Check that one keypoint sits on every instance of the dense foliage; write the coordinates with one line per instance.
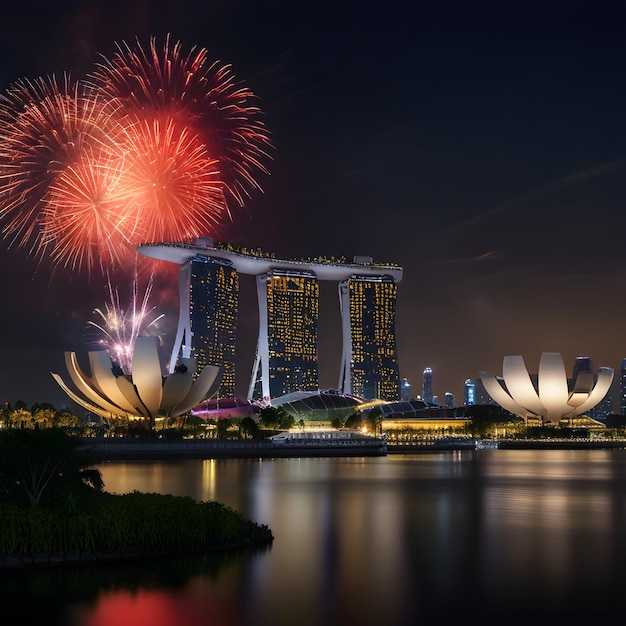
(135, 522)
(52, 499)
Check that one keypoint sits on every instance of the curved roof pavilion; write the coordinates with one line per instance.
(255, 265)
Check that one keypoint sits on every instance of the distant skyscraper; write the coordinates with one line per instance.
(581, 364)
(469, 392)
(209, 287)
(369, 363)
(405, 391)
(286, 359)
(622, 387)
(448, 400)
(427, 385)
(475, 393)
(603, 409)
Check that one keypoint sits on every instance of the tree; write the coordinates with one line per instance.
(45, 466)
(273, 417)
(21, 418)
(373, 420)
(221, 430)
(354, 421)
(44, 417)
(248, 428)
(487, 417)
(336, 423)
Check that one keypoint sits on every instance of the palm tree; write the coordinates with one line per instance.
(46, 466)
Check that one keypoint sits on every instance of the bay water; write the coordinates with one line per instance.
(450, 537)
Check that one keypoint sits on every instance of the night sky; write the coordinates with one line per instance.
(478, 144)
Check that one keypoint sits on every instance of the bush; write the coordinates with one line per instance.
(136, 522)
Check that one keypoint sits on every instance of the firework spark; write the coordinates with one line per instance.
(119, 327)
(44, 129)
(204, 98)
(152, 147)
(173, 184)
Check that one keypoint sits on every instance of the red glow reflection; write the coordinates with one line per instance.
(157, 608)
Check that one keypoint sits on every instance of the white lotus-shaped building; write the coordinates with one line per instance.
(552, 399)
(143, 394)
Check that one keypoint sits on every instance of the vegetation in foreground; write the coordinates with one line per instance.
(52, 500)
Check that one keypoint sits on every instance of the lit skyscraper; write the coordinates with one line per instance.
(288, 296)
(475, 393)
(581, 364)
(469, 392)
(622, 387)
(369, 362)
(427, 385)
(286, 358)
(209, 288)
(405, 391)
(448, 400)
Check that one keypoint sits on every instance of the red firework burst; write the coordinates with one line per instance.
(43, 130)
(205, 98)
(148, 149)
(174, 186)
(86, 221)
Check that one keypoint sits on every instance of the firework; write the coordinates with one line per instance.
(201, 96)
(152, 147)
(119, 328)
(44, 129)
(173, 184)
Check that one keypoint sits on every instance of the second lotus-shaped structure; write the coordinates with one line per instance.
(143, 394)
(554, 397)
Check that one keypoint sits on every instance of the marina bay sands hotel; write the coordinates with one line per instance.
(286, 358)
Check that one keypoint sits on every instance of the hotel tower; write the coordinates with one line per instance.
(286, 358)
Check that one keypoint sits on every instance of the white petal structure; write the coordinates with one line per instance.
(552, 399)
(145, 393)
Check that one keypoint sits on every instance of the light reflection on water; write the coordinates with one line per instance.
(404, 539)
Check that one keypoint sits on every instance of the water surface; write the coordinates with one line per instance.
(502, 536)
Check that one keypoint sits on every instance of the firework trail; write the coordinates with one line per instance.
(119, 328)
(153, 146)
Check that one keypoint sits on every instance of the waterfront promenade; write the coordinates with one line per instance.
(119, 448)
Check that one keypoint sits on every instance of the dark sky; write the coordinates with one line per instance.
(478, 144)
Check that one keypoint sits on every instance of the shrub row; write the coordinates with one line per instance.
(141, 522)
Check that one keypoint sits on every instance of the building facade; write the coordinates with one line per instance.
(405, 390)
(622, 387)
(369, 363)
(474, 392)
(286, 356)
(208, 290)
(288, 298)
(427, 385)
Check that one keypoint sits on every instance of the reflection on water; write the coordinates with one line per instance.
(505, 535)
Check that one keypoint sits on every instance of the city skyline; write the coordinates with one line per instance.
(478, 145)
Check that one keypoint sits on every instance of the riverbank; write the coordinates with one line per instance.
(121, 449)
(118, 448)
(508, 444)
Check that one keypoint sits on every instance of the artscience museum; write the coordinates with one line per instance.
(549, 397)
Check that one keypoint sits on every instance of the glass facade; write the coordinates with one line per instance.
(622, 387)
(370, 362)
(213, 300)
(427, 386)
(289, 302)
